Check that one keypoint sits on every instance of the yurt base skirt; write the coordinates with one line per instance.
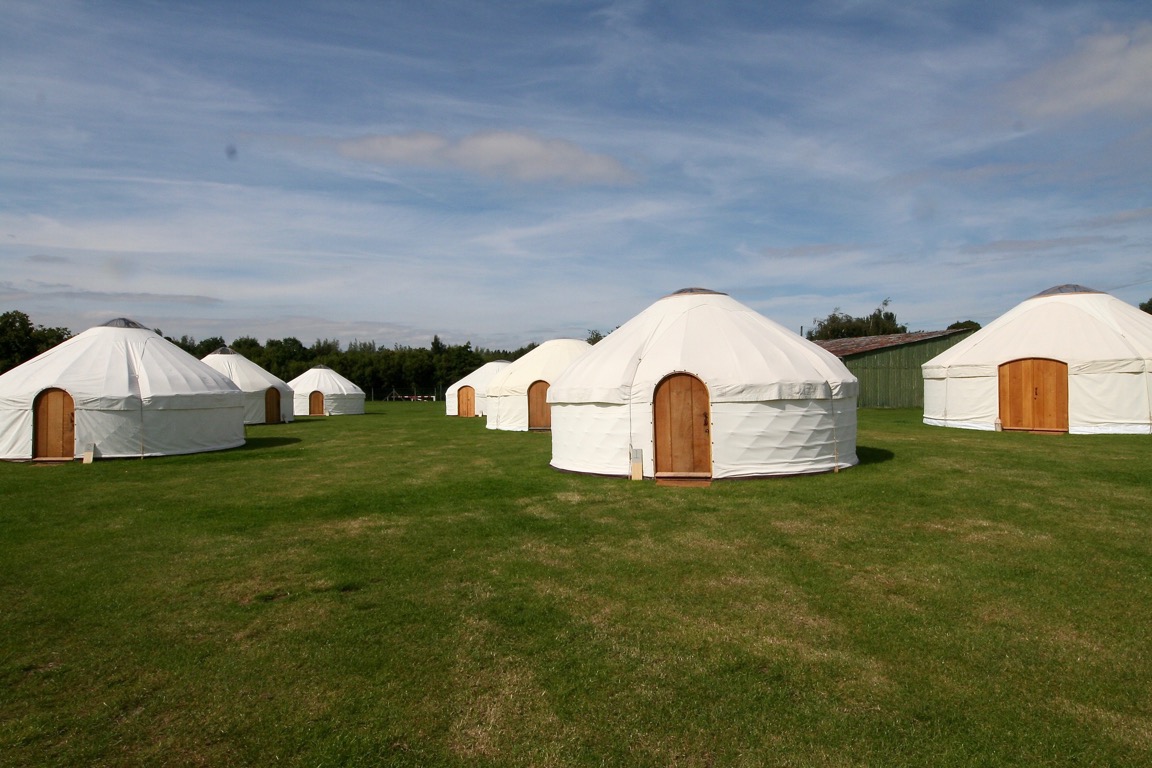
(135, 433)
(748, 439)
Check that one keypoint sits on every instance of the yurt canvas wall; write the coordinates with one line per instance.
(121, 389)
(320, 391)
(700, 385)
(518, 395)
(267, 398)
(1069, 359)
(472, 390)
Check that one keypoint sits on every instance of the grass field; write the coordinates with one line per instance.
(403, 588)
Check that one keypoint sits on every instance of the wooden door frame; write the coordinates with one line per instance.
(460, 392)
(698, 439)
(272, 392)
(1034, 414)
(66, 428)
(547, 409)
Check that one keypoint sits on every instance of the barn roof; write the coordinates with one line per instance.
(846, 347)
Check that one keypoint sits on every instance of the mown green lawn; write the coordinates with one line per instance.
(403, 588)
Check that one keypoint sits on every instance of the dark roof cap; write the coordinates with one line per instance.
(689, 291)
(1066, 288)
(123, 322)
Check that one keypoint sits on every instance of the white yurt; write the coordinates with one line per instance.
(320, 391)
(267, 398)
(1069, 359)
(518, 394)
(468, 397)
(118, 390)
(699, 385)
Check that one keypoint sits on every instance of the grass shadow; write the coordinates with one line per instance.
(260, 443)
(873, 455)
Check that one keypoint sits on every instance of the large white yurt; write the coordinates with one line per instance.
(267, 398)
(469, 396)
(118, 390)
(699, 385)
(1069, 359)
(320, 391)
(518, 394)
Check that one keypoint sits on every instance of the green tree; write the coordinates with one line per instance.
(1147, 306)
(248, 346)
(839, 325)
(206, 347)
(964, 325)
(594, 336)
(21, 340)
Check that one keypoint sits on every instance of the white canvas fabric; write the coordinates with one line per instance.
(1106, 343)
(253, 381)
(779, 404)
(507, 398)
(341, 396)
(135, 394)
(478, 380)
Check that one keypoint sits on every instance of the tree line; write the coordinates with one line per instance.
(398, 371)
(881, 322)
(382, 372)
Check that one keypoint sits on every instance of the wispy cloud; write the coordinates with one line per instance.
(497, 154)
(1109, 71)
(497, 172)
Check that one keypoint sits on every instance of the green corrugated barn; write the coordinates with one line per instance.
(888, 367)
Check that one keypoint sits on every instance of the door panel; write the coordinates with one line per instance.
(272, 406)
(54, 425)
(539, 412)
(316, 403)
(466, 401)
(1034, 395)
(682, 427)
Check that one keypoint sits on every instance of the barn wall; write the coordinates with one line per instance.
(891, 377)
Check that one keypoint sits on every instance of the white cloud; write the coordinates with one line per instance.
(498, 154)
(1110, 71)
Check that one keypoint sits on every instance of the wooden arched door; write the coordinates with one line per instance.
(271, 406)
(1034, 395)
(539, 412)
(316, 403)
(466, 401)
(53, 425)
(682, 427)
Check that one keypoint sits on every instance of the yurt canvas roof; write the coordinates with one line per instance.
(742, 355)
(134, 393)
(324, 379)
(246, 374)
(1087, 329)
(545, 362)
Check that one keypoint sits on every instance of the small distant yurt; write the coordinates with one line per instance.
(118, 390)
(320, 391)
(518, 394)
(700, 386)
(469, 396)
(267, 398)
(1069, 359)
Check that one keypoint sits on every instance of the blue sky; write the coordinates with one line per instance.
(506, 172)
